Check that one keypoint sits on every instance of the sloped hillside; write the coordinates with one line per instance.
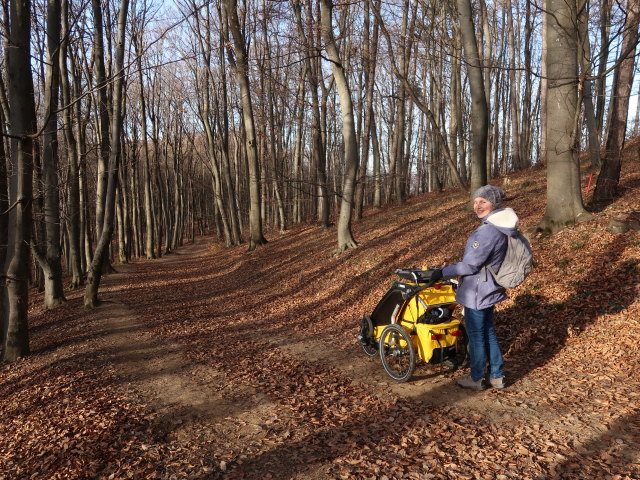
(218, 363)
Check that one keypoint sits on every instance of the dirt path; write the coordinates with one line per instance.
(184, 391)
(193, 403)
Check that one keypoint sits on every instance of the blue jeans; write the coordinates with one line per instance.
(483, 343)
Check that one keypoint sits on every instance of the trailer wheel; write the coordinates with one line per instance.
(368, 342)
(397, 353)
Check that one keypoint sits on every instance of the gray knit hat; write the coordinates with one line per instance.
(490, 193)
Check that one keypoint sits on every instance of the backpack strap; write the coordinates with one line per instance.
(489, 267)
(484, 270)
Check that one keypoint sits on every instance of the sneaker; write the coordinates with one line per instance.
(468, 382)
(497, 382)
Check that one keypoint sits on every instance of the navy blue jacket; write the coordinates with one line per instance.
(487, 245)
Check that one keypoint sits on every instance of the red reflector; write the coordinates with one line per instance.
(456, 333)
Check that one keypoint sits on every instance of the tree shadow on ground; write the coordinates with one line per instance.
(536, 328)
(597, 457)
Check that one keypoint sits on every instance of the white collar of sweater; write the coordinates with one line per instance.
(504, 218)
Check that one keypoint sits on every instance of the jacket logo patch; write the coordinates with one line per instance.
(475, 244)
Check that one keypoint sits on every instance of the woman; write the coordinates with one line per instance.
(478, 292)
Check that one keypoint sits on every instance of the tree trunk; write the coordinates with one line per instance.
(479, 113)
(241, 69)
(73, 197)
(223, 127)
(544, 89)
(103, 112)
(345, 237)
(146, 169)
(397, 143)
(49, 257)
(136, 227)
(296, 214)
(514, 101)
(564, 200)
(603, 60)
(22, 120)
(318, 150)
(102, 248)
(166, 201)
(607, 184)
(207, 119)
(273, 151)
(455, 102)
(486, 53)
(4, 204)
(377, 177)
(584, 52)
(120, 221)
(370, 61)
(527, 123)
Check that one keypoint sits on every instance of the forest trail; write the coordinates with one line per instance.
(177, 387)
(217, 363)
(194, 401)
(188, 400)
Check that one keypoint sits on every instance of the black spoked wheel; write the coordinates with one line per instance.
(367, 340)
(461, 358)
(397, 353)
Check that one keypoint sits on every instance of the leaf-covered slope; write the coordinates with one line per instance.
(273, 333)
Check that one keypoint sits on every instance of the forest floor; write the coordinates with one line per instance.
(218, 363)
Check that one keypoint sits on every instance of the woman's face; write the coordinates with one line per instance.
(482, 207)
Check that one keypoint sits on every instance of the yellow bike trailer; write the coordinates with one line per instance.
(415, 319)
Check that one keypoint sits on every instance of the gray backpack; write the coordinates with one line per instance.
(517, 264)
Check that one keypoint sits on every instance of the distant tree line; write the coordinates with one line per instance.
(131, 126)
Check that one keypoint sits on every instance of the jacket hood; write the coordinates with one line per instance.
(504, 219)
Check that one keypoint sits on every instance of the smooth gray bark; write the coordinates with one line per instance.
(102, 248)
(241, 69)
(345, 236)
(73, 193)
(479, 112)
(149, 246)
(564, 199)
(22, 121)
(49, 255)
(584, 52)
(370, 60)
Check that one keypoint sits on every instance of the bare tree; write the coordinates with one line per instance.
(417, 97)
(479, 113)
(369, 60)
(102, 105)
(241, 69)
(586, 90)
(204, 79)
(607, 184)
(22, 120)
(603, 59)
(73, 197)
(4, 199)
(514, 101)
(49, 255)
(137, 37)
(345, 237)
(318, 106)
(564, 200)
(102, 248)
